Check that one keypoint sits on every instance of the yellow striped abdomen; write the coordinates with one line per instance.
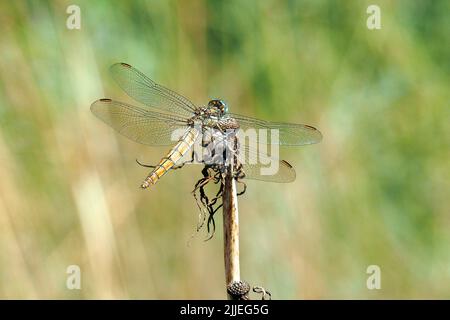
(175, 154)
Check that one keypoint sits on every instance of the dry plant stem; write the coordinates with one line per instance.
(231, 230)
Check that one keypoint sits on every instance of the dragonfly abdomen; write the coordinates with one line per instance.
(173, 156)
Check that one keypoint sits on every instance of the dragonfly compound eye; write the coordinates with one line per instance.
(224, 106)
(219, 105)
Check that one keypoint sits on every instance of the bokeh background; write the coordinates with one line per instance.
(374, 191)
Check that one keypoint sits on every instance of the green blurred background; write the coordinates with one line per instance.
(374, 191)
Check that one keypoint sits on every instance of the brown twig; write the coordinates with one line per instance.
(230, 230)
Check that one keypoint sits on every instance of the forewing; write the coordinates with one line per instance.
(143, 89)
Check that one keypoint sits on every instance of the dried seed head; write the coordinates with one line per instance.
(238, 289)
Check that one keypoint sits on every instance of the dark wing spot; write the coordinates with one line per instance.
(125, 64)
(105, 100)
(286, 163)
(310, 127)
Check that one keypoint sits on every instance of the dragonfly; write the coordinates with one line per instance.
(164, 112)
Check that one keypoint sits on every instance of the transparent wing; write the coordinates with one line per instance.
(143, 89)
(139, 124)
(290, 134)
(260, 166)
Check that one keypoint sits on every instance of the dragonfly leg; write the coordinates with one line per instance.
(175, 167)
(194, 157)
(145, 165)
(154, 166)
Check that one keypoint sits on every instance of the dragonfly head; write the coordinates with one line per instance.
(218, 106)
